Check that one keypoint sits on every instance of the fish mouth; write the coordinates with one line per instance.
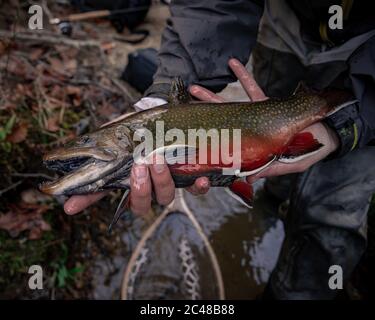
(80, 167)
(67, 165)
(68, 160)
(66, 156)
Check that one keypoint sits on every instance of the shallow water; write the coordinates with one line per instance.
(245, 241)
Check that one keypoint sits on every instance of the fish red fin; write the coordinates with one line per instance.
(303, 145)
(243, 192)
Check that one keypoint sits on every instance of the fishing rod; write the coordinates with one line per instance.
(66, 28)
(94, 15)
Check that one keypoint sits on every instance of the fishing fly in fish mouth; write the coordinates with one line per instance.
(269, 131)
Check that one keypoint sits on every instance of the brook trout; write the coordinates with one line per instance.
(270, 131)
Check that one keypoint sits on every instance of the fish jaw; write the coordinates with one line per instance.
(83, 165)
(87, 169)
(96, 153)
(91, 174)
(91, 162)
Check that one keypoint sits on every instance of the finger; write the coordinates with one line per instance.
(76, 204)
(140, 185)
(200, 186)
(204, 94)
(252, 89)
(162, 182)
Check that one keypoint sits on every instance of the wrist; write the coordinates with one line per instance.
(346, 125)
(333, 138)
(148, 103)
(159, 89)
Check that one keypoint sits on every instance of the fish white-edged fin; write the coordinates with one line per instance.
(295, 158)
(242, 192)
(176, 153)
(241, 174)
(302, 146)
(238, 198)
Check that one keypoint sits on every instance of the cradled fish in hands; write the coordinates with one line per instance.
(270, 131)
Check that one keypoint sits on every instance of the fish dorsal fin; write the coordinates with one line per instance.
(301, 88)
(175, 154)
(178, 93)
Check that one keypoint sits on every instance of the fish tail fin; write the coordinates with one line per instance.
(302, 88)
(242, 192)
(303, 145)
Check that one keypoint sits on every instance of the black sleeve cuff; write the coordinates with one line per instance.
(347, 126)
(159, 90)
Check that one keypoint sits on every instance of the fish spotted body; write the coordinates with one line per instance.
(270, 131)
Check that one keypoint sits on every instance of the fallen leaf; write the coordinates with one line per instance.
(2, 48)
(71, 66)
(77, 102)
(66, 52)
(37, 231)
(75, 93)
(25, 217)
(36, 54)
(107, 46)
(57, 65)
(18, 134)
(106, 110)
(24, 90)
(34, 196)
(52, 124)
(73, 90)
(105, 82)
(21, 69)
(57, 92)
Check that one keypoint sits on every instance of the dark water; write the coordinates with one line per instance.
(245, 242)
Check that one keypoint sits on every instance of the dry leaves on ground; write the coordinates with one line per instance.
(24, 217)
(18, 134)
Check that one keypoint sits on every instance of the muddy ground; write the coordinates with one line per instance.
(51, 92)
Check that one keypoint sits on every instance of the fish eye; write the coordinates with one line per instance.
(84, 139)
